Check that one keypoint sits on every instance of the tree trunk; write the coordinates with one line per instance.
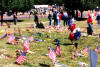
(81, 14)
(16, 13)
(1, 19)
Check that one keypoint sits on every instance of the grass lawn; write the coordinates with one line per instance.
(39, 58)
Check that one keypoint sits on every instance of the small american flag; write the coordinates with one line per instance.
(73, 55)
(31, 38)
(11, 38)
(85, 50)
(60, 29)
(52, 55)
(26, 45)
(21, 58)
(97, 49)
(58, 50)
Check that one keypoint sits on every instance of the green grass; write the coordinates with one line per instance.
(40, 48)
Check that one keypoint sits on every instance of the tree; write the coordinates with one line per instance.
(15, 6)
(42, 2)
(58, 2)
(48, 2)
(20, 5)
(3, 8)
(81, 4)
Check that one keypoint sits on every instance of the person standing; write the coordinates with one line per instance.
(36, 20)
(57, 17)
(70, 21)
(54, 17)
(98, 20)
(65, 18)
(90, 25)
(60, 18)
(50, 18)
(15, 19)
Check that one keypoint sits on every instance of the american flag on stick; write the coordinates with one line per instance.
(26, 45)
(58, 50)
(97, 49)
(21, 58)
(31, 38)
(11, 38)
(85, 50)
(52, 55)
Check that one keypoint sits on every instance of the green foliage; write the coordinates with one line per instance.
(81, 4)
(20, 5)
(92, 4)
(58, 2)
(4, 5)
(40, 2)
(16, 5)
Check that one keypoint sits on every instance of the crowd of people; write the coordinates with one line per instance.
(60, 17)
(55, 16)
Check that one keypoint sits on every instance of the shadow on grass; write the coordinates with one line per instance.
(26, 64)
(67, 44)
(29, 65)
(44, 65)
(81, 19)
(12, 20)
(8, 43)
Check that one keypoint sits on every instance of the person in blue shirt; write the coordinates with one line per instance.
(50, 16)
(98, 20)
(70, 21)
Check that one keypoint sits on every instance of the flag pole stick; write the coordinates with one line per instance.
(19, 31)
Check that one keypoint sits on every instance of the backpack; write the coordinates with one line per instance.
(77, 35)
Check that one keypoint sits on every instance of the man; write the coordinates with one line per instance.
(36, 20)
(15, 19)
(50, 18)
(65, 18)
(98, 20)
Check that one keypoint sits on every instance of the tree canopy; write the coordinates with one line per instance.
(81, 4)
(20, 5)
(15, 6)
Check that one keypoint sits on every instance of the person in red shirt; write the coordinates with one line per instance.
(60, 18)
(71, 28)
(90, 24)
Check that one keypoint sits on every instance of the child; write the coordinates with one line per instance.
(72, 27)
